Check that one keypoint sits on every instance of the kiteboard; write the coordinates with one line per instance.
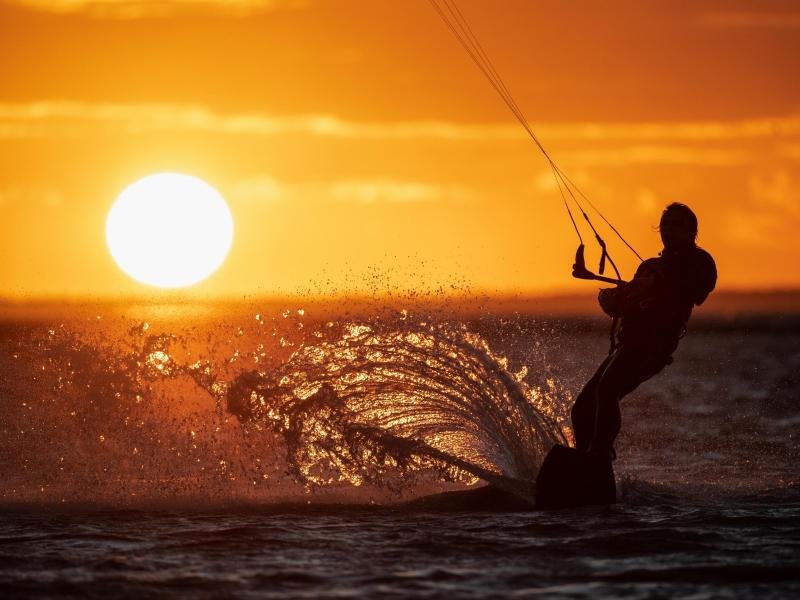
(568, 478)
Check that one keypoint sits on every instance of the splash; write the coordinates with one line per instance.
(120, 411)
(382, 401)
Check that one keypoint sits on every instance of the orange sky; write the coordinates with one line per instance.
(360, 150)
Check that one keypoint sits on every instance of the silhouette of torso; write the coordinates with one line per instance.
(658, 302)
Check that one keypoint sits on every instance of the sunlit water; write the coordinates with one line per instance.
(124, 472)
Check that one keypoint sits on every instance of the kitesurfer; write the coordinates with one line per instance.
(653, 309)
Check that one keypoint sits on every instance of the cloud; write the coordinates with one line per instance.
(690, 131)
(71, 118)
(386, 190)
(777, 191)
(135, 9)
(670, 155)
(370, 191)
(258, 190)
(749, 20)
(773, 215)
(267, 190)
(37, 119)
(753, 229)
(545, 180)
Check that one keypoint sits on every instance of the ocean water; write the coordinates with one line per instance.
(277, 451)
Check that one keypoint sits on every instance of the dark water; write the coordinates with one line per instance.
(650, 550)
(124, 474)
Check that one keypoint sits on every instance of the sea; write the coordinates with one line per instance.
(280, 450)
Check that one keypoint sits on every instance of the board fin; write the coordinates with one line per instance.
(570, 478)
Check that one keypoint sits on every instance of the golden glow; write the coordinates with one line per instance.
(369, 155)
(169, 230)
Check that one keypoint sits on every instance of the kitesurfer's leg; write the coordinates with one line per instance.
(626, 369)
(583, 416)
(584, 410)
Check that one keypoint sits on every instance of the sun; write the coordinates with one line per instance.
(169, 230)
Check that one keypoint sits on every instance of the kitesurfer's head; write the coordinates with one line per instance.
(678, 226)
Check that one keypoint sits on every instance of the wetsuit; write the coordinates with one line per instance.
(654, 308)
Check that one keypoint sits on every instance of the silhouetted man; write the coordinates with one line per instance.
(654, 308)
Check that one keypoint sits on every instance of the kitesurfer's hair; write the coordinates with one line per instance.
(683, 212)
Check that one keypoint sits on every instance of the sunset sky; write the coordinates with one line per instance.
(360, 150)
